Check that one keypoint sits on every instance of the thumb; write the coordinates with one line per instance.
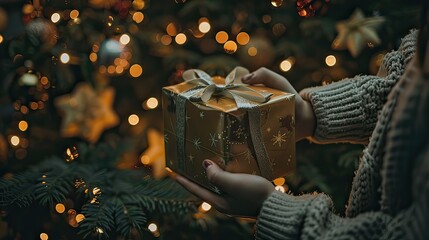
(251, 79)
(220, 178)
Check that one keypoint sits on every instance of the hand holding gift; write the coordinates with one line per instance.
(242, 128)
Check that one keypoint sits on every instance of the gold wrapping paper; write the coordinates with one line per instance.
(220, 131)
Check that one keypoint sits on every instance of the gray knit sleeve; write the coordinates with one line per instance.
(347, 110)
(311, 216)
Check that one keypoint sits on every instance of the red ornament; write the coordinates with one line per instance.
(309, 8)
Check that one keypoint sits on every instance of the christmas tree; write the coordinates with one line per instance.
(81, 142)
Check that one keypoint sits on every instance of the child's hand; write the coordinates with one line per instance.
(242, 194)
(305, 121)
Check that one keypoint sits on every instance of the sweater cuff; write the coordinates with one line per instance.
(282, 215)
(339, 114)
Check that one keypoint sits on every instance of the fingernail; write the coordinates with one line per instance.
(207, 163)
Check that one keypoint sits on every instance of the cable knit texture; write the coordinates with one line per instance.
(390, 192)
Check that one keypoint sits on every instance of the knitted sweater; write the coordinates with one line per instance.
(390, 192)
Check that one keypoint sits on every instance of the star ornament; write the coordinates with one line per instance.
(355, 33)
(155, 153)
(87, 113)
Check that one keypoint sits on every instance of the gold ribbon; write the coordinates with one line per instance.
(233, 87)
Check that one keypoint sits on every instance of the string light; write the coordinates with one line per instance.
(280, 188)
(204, 26)
(135, 70)
(276, 3)
(79, 218)
(60, 208)
(166, 40)
(64, 58)
(44, 236)
(286, 64)
(93, 57)
(171, 29)
(205, 207)
(243, 38)
(55, 17)
(252, 51)
(153, 227)
(230, 47)
(266, 18)
(279, 181)
(138, 4)
(23, 125)
(1, 38)
(180, 38)
(330, 60)
(99, 230)
(152, 103)
(74, 14)
(124, 39)
(133, 119)
(221, 37)
(138, 17)
(14, 140)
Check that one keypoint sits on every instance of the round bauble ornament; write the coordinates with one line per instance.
(42, 32)
(257, 53)
(113, 57)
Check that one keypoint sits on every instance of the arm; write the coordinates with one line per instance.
(310, 216)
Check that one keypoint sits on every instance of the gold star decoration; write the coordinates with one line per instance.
(356, 32)
(154, 155)
(87, 113)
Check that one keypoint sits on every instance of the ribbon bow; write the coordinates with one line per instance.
(233, 87)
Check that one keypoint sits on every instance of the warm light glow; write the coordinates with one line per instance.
(74, 14)
(133, 119)
(55, 17)
(285, 65)
(330, 60)
(280, 188)
(79, 218)
(222, 37)
(230, 47)
(111, 69)
(205, 207)
(14, 140)
(44, 236)
(276, 3)
(252, 51)
(64, 58)
(266, 18)
(138, 4)
(44, 80)
(152, 227)
(180, 38)
(136, 70)
(152, 103)
(145, 159)
(23, 125)
(204, 27)
(166, 40)
(124, 39)
(138, 17)
(93, 57)
(1, 38)
(171, 29)
(96, 191)
(60, 208)
(279, 181)
(99, 230)
(243, 38)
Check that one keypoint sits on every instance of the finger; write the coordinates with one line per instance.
(225, 181)
(198, 191)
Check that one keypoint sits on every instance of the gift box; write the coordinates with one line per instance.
(243, 128)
